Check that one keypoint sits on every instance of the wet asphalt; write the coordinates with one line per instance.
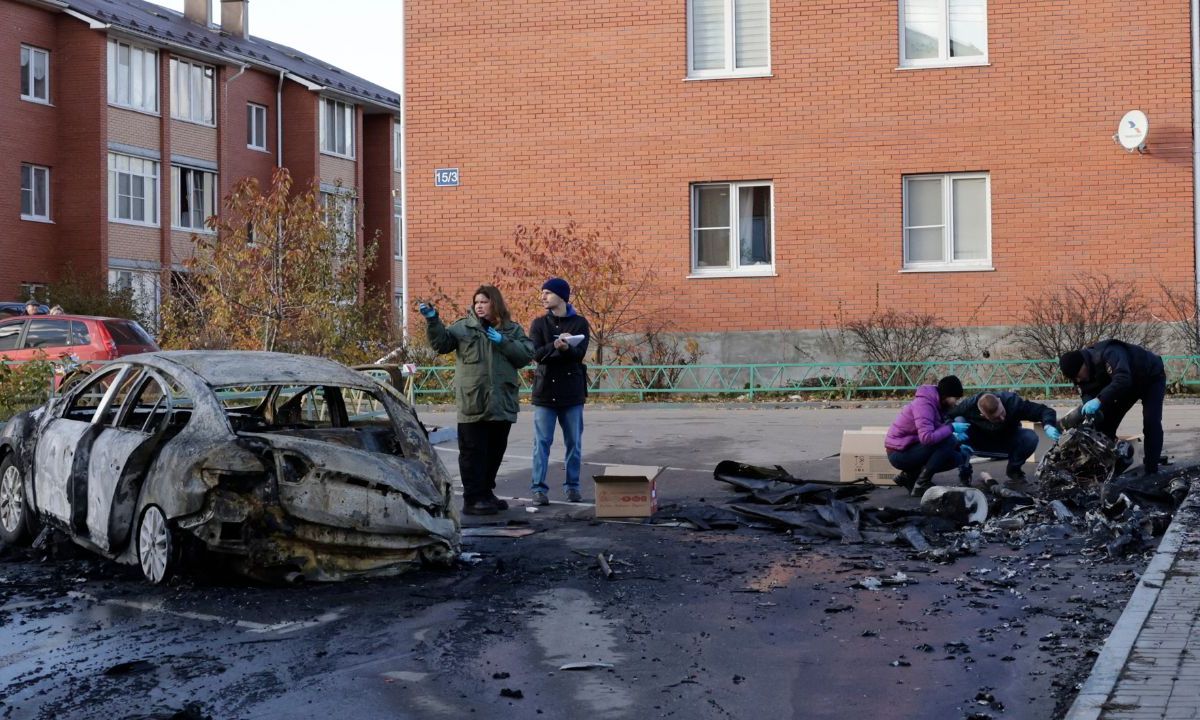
(719, 624)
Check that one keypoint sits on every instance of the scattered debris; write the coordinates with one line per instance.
(605, 568)
(508, 532)
(130, 668)
(511, 693)
(586, 666)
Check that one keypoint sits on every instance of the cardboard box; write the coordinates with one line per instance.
(627, 491)
(863, 456)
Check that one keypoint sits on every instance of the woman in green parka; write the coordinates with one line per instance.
(489, 349)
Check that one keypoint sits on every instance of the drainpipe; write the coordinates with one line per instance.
(279, 120)
(1196, 150)
(404, 299)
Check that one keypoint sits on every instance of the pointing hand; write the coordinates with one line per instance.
(494, 335)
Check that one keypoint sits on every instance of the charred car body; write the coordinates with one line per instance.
(288, 466)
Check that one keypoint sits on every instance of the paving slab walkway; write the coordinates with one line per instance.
(1149, 668)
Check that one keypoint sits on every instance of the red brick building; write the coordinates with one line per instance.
(125, 123)
(779, 160)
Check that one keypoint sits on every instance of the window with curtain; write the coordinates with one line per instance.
(35, 192)
(35, 74)
(256, 126)
(132, 189)
(192, 88)
(132, 76)
(729, 38)
(193, 193)
(732, 228)
(943, 32)
(337, 127)
(947, 222)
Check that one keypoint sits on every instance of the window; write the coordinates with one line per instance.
(35, 74)
(35, 192)
(193, 193)
(147, 409)
(132, 189)
(947, 222)
(10, 335)
(340, 209)
(47, 334)
(729, 38)
(142, 286)
(132, 76)
(398, 235)
(943, 32)
(192, 91)
(256, 126)
(397, 148)
(337, 127)
(732, 228)
(88, 398)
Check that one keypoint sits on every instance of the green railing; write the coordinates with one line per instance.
(843, 380)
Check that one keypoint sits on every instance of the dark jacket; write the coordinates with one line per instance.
(1016, 409)
(561, 377)
(1119, 373)
(485, 373)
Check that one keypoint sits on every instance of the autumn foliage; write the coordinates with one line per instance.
(276, 275)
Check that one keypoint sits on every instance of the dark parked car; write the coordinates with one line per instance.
(288, 466)
(83, 337)
(8, 309)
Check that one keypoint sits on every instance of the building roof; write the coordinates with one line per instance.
(171, 27)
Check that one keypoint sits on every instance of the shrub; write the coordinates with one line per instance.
(24, 386)
(1094, 308)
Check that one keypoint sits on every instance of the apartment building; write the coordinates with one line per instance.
(126, 123)
(782, 164)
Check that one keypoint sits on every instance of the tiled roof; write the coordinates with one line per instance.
(170, 26)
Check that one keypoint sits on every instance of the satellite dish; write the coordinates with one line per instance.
(1132, 131)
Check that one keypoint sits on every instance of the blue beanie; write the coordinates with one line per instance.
(559, 287)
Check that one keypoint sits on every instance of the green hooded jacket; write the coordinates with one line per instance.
(485, 373)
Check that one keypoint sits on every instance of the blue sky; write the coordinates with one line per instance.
(359, 36)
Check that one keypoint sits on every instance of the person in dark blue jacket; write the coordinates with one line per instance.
(994, 426)
(1113, 375)
(560, 342)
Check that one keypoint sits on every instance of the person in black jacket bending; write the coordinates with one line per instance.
(1113, 375)
(994, 426)
(559, 386)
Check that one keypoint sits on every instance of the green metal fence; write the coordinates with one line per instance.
(814, 380)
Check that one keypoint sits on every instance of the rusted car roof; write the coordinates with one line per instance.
(219, 368)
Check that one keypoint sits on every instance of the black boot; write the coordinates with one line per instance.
(905, 479)
(922, 484)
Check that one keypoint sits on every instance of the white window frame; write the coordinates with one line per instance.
(32, 189)
(147, 174)
(949, 264)
(121, 86)
(146, 287)
(329, 139)
(195, 112)
(944, 58)
(208, 201)
(735, 268)
(27, 74)
(730, 70)
(397, 145)
(340, 208)
(397, 234)
(253, 110)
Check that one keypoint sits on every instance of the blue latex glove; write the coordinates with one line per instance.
(1091, 406)
(961, 426)
(494, 335)
(960, 436)
(967, 451)
(427, 310)
(1053, 433)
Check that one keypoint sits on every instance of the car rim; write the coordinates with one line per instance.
(154, 544)
(11, 499)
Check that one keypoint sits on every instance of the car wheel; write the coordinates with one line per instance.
(158, 552)
(14, 513)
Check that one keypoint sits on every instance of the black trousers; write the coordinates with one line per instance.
(481, 447)
(1152, 397)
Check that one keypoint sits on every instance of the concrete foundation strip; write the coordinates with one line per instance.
(1107, 669)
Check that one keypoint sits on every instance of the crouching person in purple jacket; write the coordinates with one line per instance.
(919, 444)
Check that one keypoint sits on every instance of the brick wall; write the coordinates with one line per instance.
(300, 130)
(377, 197)
(28, 247)
(554, 110)
(194, 141)
(239, 161)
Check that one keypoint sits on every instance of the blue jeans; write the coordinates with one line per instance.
(571, 420)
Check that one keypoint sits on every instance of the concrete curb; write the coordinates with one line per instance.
(1113, 656)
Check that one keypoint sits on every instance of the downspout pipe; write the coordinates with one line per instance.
(279, 120)
(1196, 153)
(404, 294)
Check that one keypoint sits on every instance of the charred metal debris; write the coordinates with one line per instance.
(1079, 491)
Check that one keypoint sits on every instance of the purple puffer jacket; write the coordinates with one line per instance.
(920, 421)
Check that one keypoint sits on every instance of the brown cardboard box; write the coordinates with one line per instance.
(627, 491)
(863, 456)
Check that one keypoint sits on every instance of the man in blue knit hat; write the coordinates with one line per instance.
(560, 341)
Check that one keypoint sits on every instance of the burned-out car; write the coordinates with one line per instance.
(286, 466)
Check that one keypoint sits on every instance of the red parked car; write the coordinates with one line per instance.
(83, 337)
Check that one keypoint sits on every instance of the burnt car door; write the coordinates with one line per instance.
(64, 443)
(132, 429)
